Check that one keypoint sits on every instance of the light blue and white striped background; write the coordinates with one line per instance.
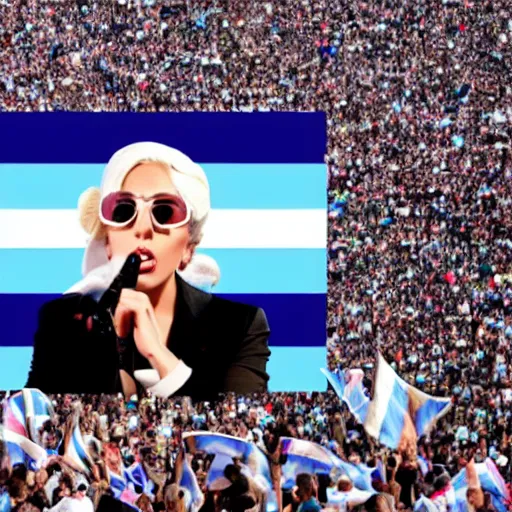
(267, 231)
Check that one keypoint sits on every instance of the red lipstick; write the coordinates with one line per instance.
(148, 260)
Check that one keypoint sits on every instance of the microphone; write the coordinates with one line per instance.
(127, 278)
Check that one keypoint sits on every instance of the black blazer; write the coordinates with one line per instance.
(224, 342)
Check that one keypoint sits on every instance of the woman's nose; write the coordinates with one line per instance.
(143, 224)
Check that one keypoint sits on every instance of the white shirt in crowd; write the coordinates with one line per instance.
(51, 485)
(73, 504)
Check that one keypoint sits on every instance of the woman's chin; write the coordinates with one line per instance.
(149, 281)
(146, 282)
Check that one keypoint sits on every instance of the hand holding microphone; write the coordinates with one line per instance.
(129, 312)
(132, 311)
(99, 323)
(127, 278)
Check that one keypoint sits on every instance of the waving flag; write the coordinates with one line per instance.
(195, 498)
(136, 474)
(121, 481)
(348, 385)
(75, 449)
(219, 444)
(490, 481)
(343, 500)
(24, 413)
(308, 457)
(253, 461)
(216, 470)
(305, 457)
(399, 413)
(118, 483)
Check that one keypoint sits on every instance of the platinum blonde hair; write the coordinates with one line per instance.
(89, 207)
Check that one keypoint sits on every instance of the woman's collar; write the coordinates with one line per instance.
(192, 298)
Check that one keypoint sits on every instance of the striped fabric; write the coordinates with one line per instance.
(267, 229)
(230, 447)
(194, 496)
(308, 457)
(75, 448)
(24, 413)
(253, 462)
(490, 480)
(399, 413)
(348, 385)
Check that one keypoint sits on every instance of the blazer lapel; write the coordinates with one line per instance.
(185, 335)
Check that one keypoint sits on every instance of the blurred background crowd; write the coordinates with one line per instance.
(419, 103)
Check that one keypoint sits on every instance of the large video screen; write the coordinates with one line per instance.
(266, 229)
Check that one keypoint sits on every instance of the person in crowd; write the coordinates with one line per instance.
(76, 502)
(307, 492)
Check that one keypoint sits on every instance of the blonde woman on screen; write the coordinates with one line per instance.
(166, 336)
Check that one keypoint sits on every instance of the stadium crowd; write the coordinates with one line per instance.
(419, 103)
(151, 431)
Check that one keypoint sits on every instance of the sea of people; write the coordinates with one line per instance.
(150, 431)
(419, 103)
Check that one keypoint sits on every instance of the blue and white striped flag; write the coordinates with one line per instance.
(490, 481)
(25, 413)
(194, 498)
(308, 457)
(75, 450)
(267, 226)
(399, 413)
(348, 385)
(137, 475)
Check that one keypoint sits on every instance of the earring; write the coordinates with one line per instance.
(183, 265)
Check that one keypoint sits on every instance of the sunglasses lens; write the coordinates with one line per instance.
(123, 211)
(118, 208)
(121, 208)
(168, 211)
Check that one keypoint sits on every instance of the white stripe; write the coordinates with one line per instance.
(17, 412)
(73, 455)
(314, 451)
(34, 451)
(29, 405)
(382, 390)
(225, 229)
(30, 415)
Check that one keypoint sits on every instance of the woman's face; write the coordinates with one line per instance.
(169, 247)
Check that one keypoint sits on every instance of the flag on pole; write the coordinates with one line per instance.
(399, 413)
(75, 449)
(348, 385)
(25, 413)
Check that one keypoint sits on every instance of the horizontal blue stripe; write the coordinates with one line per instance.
(295, 320)
(91, 137)
(290, 368)
(240, 186)
(242, 270)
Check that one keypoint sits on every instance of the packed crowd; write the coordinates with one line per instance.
(419, 107)
(151, 431)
